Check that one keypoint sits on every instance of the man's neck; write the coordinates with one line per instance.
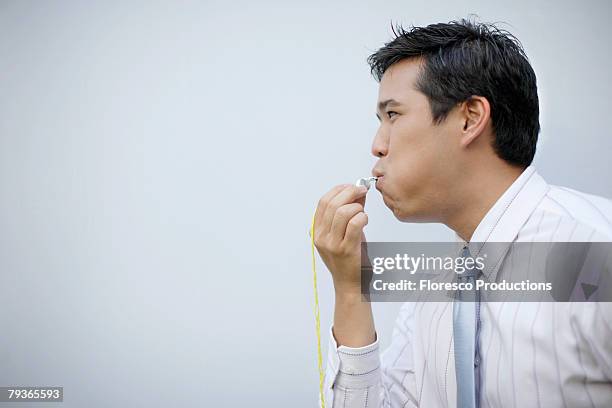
(478, 195)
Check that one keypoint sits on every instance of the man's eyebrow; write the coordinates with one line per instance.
(383, 104)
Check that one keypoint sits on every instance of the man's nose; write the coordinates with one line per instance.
(380, 145)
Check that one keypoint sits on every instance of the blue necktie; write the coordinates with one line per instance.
(466, 328)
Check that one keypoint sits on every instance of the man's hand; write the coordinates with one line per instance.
(338, 233)
(339, 223)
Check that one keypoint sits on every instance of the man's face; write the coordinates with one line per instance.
(417, 158)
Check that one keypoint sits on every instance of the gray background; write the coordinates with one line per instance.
(160, 162)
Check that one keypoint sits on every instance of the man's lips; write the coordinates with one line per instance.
(379, 183)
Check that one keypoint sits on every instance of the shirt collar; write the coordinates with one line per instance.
(503, 221)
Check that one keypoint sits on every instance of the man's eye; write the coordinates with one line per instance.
(391, 113)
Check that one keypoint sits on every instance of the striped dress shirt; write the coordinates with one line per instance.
(533, 354)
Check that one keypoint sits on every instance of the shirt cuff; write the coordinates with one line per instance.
(353, 367)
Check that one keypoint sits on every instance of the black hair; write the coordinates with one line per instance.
(462, 59)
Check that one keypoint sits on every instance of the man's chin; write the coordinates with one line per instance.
(412, 215)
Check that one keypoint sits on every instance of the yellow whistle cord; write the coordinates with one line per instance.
(317, 319)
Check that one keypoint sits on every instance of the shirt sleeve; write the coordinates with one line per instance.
(360, 377)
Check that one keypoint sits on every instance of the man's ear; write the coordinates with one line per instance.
(475, 114)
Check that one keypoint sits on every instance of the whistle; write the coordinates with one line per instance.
(366, 181)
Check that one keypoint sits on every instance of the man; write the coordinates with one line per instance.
(458, 111)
